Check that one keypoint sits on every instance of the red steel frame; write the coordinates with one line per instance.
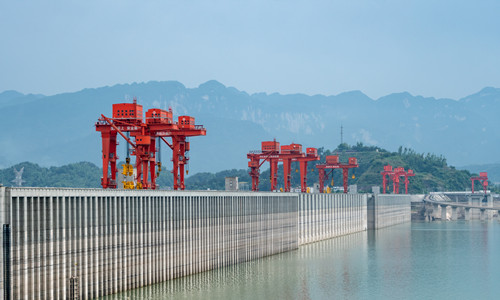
(398, 172)
(387, 172)
(483, 178)
(409, 173)
(395, 175)
(287, 154)
(144, 147)
(345, 171)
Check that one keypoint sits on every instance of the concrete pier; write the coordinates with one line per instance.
(443, 212)
(454, 214)
(436, 211)
(467, 213)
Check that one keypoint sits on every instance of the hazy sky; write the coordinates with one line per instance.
(430, 48)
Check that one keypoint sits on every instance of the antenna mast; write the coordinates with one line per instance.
(341, 134)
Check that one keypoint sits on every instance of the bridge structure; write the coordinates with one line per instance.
(473, 209)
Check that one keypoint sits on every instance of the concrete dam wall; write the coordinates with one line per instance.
(387, 210)
(112, 241)
(58, 243)
(324, 216)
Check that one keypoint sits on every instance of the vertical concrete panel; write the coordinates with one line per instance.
(16, 263)
(325, 216)
(388, 210)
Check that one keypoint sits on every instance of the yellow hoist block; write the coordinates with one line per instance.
(328, 190)
(128, 185)
(128, 170)
(308, 190)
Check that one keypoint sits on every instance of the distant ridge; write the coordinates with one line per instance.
(58, 129)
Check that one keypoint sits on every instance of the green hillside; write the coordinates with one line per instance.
(432, 173)
(82, 174)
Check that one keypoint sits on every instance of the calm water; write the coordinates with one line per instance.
(448, 260)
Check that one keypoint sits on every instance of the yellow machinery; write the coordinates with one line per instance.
(128, 170)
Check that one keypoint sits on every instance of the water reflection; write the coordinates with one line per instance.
(411, 261)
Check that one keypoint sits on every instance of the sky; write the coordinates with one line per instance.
(443, 49)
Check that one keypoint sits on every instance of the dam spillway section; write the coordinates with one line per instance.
(85, 243)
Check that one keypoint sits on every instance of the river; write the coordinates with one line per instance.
(438, 260)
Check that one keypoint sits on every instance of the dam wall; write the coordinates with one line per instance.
(60, 243)
(93, 242)
(324, 216)
(388, 209)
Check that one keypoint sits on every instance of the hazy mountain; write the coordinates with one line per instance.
(492, 169)
(59, 129)
(8, 98)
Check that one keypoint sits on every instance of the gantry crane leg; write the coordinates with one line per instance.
(108, 159)
(345, 175)
(254, 173)
(321, 175)
(274, 173)
(303, 176)
(105, 158)
(179, 160)
(287, 174)
(152, 163)
(175, 161)
(182, 161)
(112, 158)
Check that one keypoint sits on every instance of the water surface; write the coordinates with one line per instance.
(439, 260)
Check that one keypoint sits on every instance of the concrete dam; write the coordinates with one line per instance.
(86, 243)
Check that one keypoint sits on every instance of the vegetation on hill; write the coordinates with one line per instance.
(432, 173)
(82, 174)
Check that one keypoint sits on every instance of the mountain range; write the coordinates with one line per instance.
(59, 129)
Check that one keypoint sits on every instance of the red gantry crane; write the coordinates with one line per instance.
(311, 155)
(332, 162)
(483, 178)
(409, 173)
(178, 132)
(128, 120)
(387, 172)
(272, 152)
(398, 172)
(293, 152)
(395, 175)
